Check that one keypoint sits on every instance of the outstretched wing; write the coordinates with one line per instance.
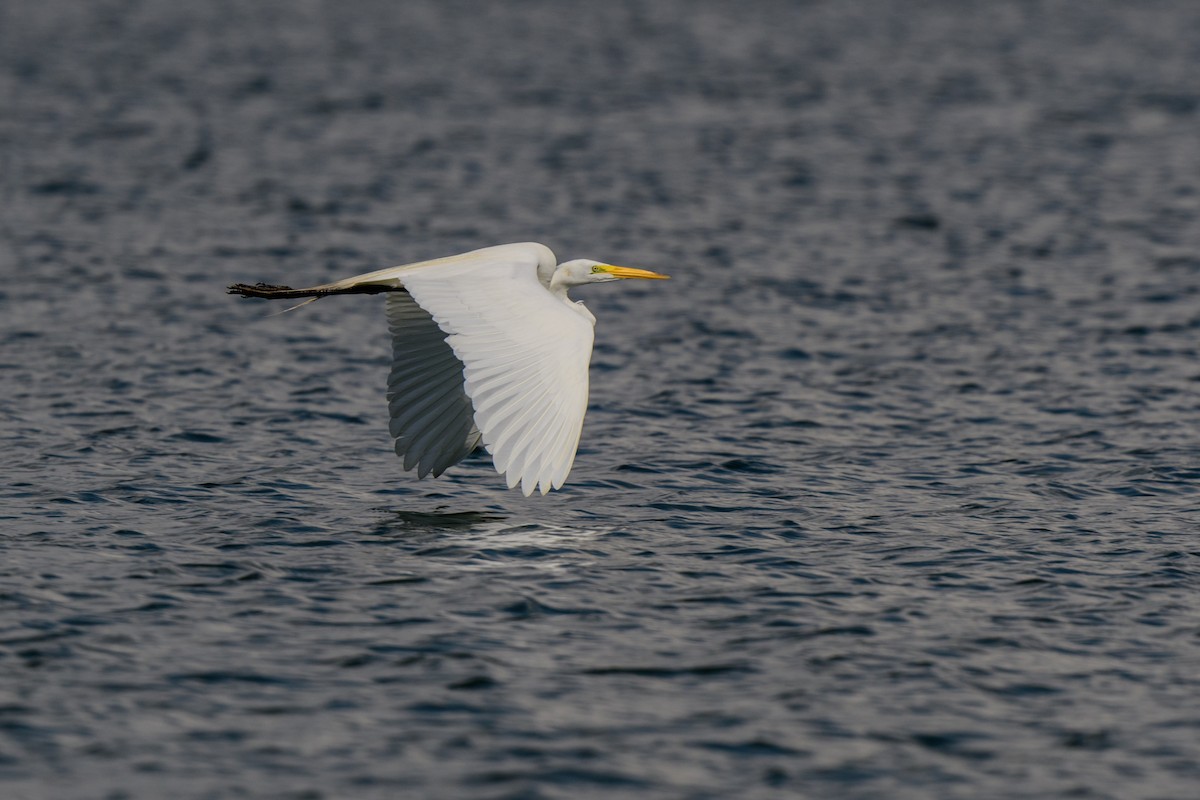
(524, 355)
(431, 415)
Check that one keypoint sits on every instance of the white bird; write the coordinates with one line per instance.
(486, 347)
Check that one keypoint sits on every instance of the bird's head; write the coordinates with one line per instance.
(581, 271)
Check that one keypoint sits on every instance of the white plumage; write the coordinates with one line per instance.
(486, 347)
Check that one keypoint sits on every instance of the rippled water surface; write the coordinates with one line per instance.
(891, 492)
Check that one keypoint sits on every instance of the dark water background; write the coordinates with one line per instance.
(891, 493)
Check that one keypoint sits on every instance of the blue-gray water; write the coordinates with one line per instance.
(890, 493)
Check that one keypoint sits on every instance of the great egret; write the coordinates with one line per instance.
(486, 347)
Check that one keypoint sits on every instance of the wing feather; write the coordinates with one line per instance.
(524, 353)
(430, 441)
(426, 399)
(425, 388)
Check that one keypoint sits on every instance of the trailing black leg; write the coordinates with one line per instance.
(270, 292)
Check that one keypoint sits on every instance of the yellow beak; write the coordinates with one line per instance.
(630, 272)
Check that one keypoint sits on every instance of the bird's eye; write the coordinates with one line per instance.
(596, 269)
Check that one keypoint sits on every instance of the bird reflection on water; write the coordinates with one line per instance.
(485, 539)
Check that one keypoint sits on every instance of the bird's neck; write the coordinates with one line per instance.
(559, 286)
(559, 289)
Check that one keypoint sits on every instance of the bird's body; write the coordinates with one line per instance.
(487, 348)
